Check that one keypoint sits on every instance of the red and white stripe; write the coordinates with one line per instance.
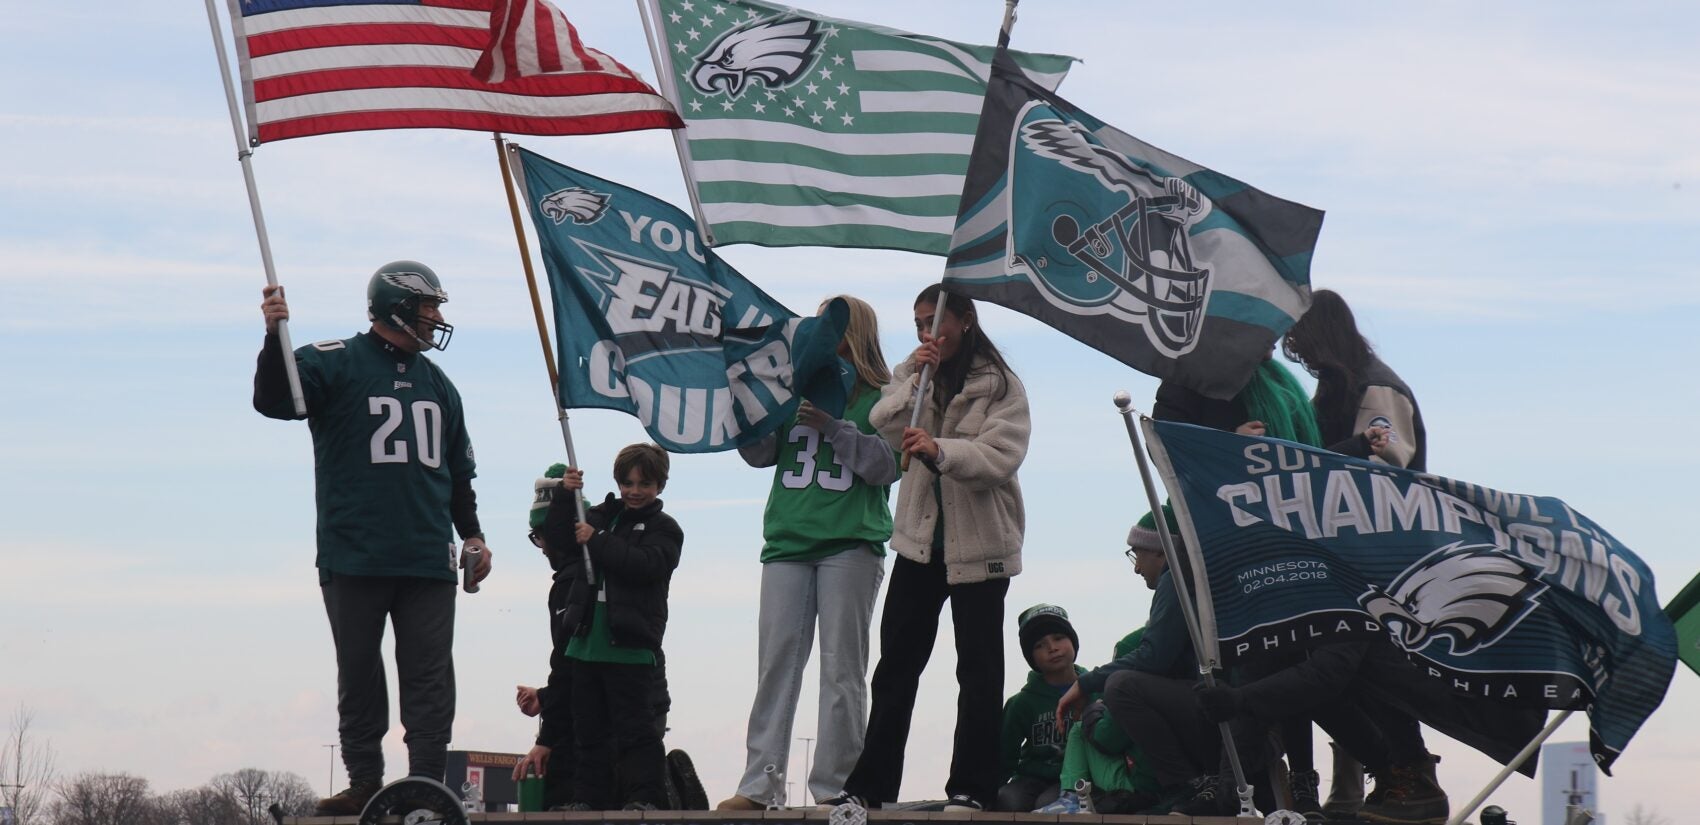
(318, 70)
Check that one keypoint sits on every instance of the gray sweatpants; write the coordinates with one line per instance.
(423, 613)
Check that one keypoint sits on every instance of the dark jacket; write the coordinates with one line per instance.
(1164, 649)
(1346, 437)
(635, 559)
(1175, 402)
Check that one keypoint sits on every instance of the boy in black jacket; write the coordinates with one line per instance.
(615, 615)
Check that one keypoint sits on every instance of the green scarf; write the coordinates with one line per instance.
(1274, 397)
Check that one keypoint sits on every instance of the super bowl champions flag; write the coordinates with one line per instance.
(1176, 270)
(1505, 596)
(651, 322)
(314, 67)
(804, 130)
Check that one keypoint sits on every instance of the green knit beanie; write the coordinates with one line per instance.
(543, 492)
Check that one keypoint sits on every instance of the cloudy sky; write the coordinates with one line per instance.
(1513, 198)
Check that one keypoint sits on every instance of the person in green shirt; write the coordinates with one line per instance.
(1031, 746)
(825, 529)
(615, 615)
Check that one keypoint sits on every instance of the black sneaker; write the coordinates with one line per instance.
(1307, 796)
(573, 806)
(1208, 799)
(843, 798)
(349, 801)
(639, 805)
(961, 803)
(692, 797)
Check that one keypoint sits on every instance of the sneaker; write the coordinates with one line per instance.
(573, 806)
(842, 799)
(1067, 802)
(349, 801)
(639, 805)
(1208, 799)
(683, 772)
(1307, 795)
(740, 803)
(1406, 795)
(961, 803)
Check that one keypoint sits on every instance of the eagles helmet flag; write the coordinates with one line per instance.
(1176, 270)
(650, 321)
(1502, 596)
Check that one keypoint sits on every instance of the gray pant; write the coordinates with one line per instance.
(423, 613)
(840, 591)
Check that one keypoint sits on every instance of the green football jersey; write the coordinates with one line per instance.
(389, 442)
(818, 507)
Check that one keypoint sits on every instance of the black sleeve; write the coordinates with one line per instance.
(639, 558)
(555, 725)
(1308, 684)
(271, 381)
(1177, 403)
(463, 509)
(558, 525)
(1356, 446)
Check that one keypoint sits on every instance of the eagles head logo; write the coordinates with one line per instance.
(415, 283)
(1123, 248)
(777, 51)
(1469, 594)
(582, 205)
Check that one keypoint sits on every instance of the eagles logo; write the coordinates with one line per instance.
(415, 283)
(582, 205)
(778, 52)
(1471, 595)
(1123, 248)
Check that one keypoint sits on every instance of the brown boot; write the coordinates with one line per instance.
(349, 801)
(1407, 795)
(1346, 788)
(740, 803)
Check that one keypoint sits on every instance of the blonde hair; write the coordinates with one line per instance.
(863, 336)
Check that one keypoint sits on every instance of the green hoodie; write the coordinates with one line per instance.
(1031, 745)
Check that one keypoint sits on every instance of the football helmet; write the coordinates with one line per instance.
(393, 297)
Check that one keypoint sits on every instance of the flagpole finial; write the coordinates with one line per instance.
(1123, 400)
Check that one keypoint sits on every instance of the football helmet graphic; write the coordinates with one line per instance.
(393, 298)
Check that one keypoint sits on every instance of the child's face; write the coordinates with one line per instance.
(1053, 653)
(636, 491)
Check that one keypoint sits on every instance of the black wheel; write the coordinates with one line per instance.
(418, 801)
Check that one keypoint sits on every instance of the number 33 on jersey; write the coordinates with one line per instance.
(818, 506)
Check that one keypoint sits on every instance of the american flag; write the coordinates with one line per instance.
(313, 67)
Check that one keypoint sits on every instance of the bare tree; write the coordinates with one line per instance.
(26, 770)
(1640, 815)
(293, 793)
(253, 791)
(203, 806)
(103, 799)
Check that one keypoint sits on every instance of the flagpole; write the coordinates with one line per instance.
(1124, 403)
(243, 153)
(681, 147)
(502, 148)
(926, 373)
(1510, 767)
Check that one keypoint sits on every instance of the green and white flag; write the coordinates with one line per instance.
(802, 130)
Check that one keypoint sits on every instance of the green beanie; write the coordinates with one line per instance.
(543, 492)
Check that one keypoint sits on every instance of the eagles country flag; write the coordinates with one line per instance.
(804, 130)
(651, 322)
(1176, 270)
(1503, 596)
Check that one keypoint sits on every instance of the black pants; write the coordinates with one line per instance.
(1164, 717)
(908, 627)
(423, 614)
(615, 734)
(1376, 733)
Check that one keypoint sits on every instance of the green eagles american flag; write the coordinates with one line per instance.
(804, 130)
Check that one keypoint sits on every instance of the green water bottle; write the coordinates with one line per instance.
(531, 790)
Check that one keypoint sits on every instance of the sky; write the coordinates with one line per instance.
(1513, 199)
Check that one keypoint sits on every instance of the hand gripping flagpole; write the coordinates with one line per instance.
(1124, 403)
(502, 156)
(243, 153)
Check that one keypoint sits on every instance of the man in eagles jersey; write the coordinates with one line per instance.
(393, 475)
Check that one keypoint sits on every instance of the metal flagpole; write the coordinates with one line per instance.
(502, 147)
(1124, 403)
(1505, 773)
(243, 153)
(664, 78)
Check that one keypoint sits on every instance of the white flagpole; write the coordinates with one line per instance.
(243, 153)
(1124, 403)
(1505, 773)
(664, 78)
(504, 154)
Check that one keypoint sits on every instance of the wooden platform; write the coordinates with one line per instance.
(809, 816)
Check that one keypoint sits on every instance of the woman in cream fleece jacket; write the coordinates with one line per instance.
(958, 531)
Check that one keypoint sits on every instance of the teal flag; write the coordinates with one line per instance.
(1176, 270)
(803, 130)
(650, 322)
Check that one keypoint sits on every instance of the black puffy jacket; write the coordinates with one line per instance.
(636, 559)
